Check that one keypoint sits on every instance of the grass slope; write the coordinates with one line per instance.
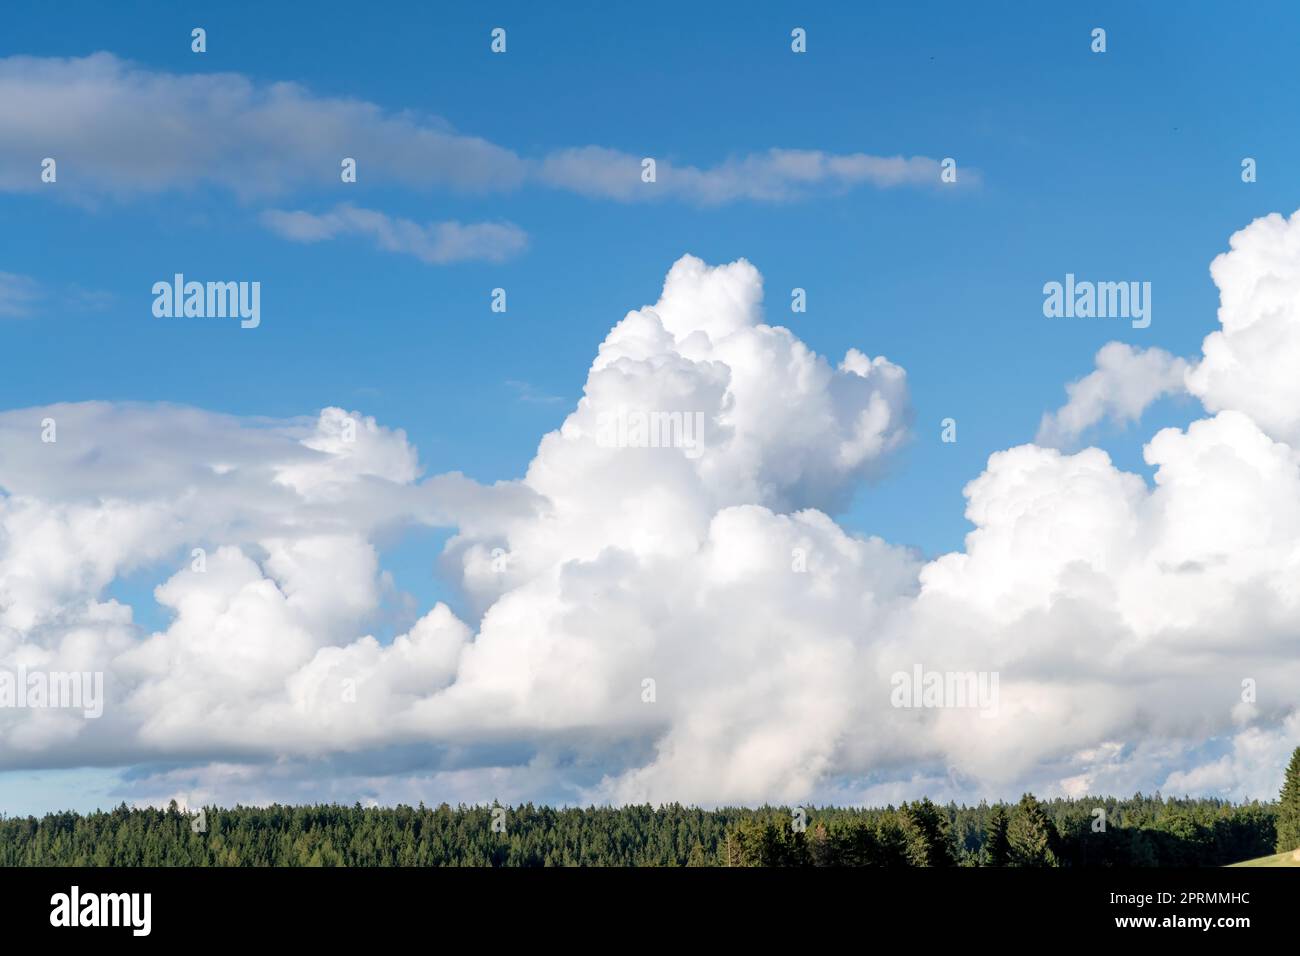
(1290, 858)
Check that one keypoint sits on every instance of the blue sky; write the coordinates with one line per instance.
(1119, 164)
(1124, 165)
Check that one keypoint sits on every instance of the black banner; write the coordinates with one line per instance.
(563, 906)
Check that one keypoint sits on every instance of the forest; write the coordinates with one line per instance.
(1138, 831)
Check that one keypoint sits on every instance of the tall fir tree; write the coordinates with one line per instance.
(928, 841)
(891, 842)
(997, 850)
(698, 857)
(1031, 835)
(1288, 810)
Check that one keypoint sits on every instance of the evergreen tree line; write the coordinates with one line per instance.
(1141, 831)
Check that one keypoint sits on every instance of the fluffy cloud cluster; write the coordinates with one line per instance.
(575, 574)
(1250, 363)
(681, 622)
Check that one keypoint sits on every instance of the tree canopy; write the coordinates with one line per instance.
(1139, 831)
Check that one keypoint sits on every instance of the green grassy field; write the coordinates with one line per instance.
(1290, 858)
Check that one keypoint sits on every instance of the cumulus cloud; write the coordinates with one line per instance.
(637, 621)
(119, 128)
(1250, 363)
(266, 652)
(436, 243)
(1125, 383)
(1114, 612)
(1248, 766)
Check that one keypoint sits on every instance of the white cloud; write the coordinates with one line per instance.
(1247, 769)
(527, 392)
(772, 176)
(1114, 612)
(122, 129)
(254, 659)
(436, 243)
(1125, 382)
(1250, 363)
(1121, 618)
(17, 295)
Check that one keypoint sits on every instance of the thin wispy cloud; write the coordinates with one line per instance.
(775, 175)
(99, 117)
(531, 394)
(436, 243)
(18, 294)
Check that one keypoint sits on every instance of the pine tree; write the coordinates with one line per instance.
(891, 841)
(1288, 810)
(1031, 836)
(746, 843)
(997, 851)
(697, 856)
(858, 845)
(926, 826)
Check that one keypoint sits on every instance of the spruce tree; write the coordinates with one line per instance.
(928, 842)
(1031, 836)
(697, 856)
(1288, 809)
(891, 843)
(997, 851)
